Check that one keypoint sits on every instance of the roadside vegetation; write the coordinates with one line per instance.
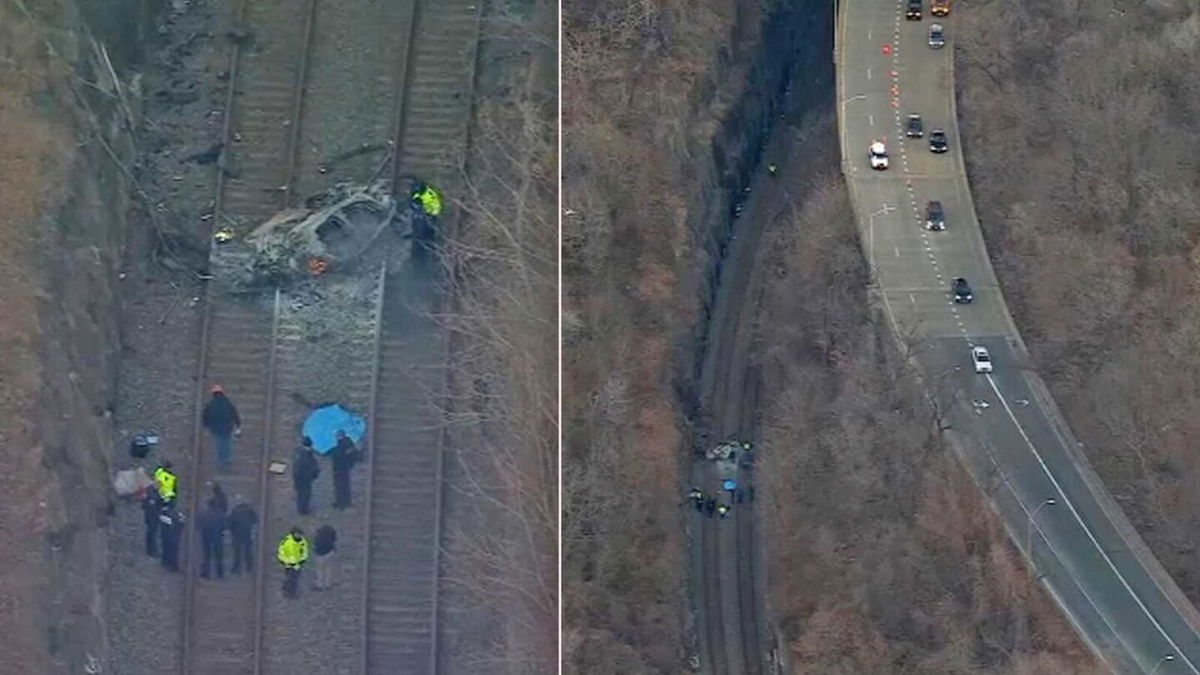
(1081, 135)
(502, 561)
(643, 95)
(884, 556)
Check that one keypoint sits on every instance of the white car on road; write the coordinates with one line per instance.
(877, 152)
(937, 36)
(981, 358)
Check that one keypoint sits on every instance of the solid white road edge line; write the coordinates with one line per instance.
(1086, 529)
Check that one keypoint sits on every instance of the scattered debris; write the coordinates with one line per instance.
(142, 444)
(132, 483)
(206, 156)
(240, 36)
(177, 97)
(364, 149)
(317, 265)
(334, 319)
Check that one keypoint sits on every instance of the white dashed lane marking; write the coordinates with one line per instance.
(912, 195)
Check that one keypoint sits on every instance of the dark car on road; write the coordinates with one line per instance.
(937, 141)
(914, 128)
(935, 217)
(962, 291)
(913, 12)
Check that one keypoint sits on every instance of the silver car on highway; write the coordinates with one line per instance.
(937, 36)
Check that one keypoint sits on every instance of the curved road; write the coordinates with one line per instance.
(1004, 426)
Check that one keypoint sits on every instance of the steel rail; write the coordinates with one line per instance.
(218, 216)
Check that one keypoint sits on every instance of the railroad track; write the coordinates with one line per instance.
(732, 631)
(222, 624)
(733, 641)
(714, 657)
(435, 110)
(747, 514)
(403, 515)
(254, 346)
(734, 623)
(748, 589)
(222, 618)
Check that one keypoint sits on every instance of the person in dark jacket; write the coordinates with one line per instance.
(324, 544)
(223, 422)
(219, 500)
(170, 526)
(151, 508)
(211, 524)
(305, 470)
(241, 528)
(343, 455)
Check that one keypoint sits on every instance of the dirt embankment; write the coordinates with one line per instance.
(62, 228)
(1084, 170)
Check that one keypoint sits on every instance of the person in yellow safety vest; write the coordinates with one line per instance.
(164, 481)
(428, 199)
(293, 552)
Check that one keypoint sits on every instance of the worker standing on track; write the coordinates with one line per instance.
(241, 529)
(152, 506)
(344, 455)
(164, 483)
(223, 422)
(305, 470)
(171, 528)
(324, 544)
(697, 497)
(746, 458)
(211, 524)
(722, 510)
(293, 552)
(427, 206)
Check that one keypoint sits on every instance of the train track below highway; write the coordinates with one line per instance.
(735, 634)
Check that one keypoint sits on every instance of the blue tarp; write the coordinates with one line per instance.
(323, 423)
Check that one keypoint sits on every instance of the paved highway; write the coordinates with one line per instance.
(1005, 427)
